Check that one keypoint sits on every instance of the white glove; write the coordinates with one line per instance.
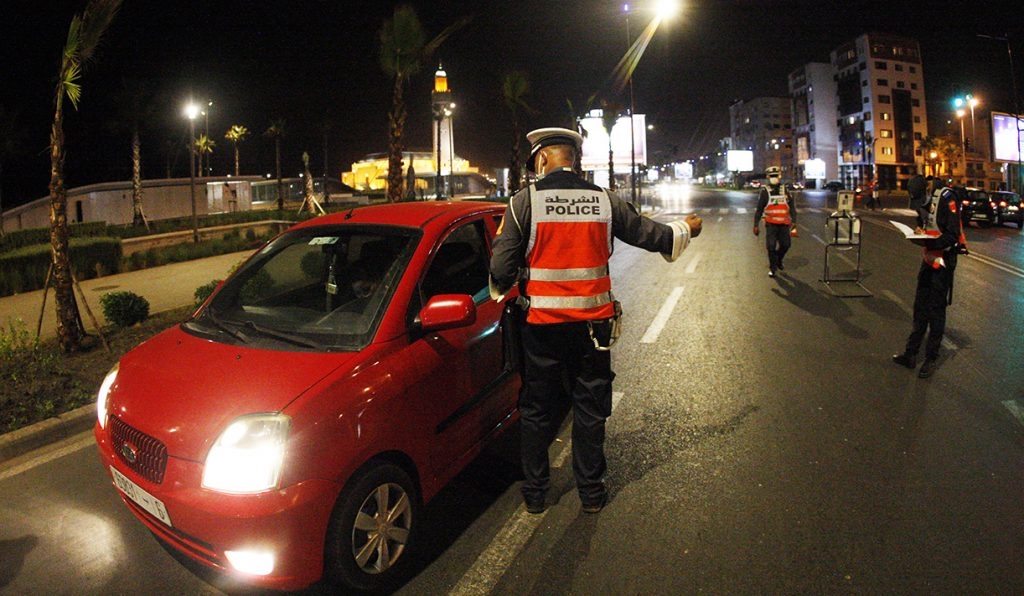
(680, 240)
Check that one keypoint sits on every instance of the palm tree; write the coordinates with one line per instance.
(204, 146)
(403, 51)
(515, 86)
(609, 115)
(276, 131)
(236, 134)
(84, 35)
(134, 109)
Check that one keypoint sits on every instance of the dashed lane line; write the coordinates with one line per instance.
(651, 335)
(1016, 409)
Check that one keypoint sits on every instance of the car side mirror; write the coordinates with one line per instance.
(448, 311)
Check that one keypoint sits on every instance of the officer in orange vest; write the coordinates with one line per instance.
(555, 241)
(776, 206)
(934, 279)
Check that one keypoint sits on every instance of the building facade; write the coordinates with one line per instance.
(881, 113)
(763, 125)
(815, 129)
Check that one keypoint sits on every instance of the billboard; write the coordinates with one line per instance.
(739, 160)
(1006, 137)
(595, 143)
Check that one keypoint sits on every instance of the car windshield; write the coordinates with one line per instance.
(321, 288)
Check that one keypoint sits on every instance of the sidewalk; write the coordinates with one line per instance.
(166, 288)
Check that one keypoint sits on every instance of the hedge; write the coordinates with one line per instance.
(32, 236)
(24, 269)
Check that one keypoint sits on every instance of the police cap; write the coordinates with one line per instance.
(771, 171)
(545, 137)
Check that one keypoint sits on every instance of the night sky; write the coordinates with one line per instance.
(313, 63)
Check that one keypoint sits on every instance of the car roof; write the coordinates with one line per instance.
(414, 214)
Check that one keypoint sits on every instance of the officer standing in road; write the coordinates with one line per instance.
(776, 206)
(934, 279)
(555, 241)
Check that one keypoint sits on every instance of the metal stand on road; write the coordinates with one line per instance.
(843, 234)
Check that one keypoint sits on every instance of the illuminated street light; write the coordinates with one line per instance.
(664, 9)
(191, 112)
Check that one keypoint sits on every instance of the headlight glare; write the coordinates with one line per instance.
(102, 394)
(247, 457)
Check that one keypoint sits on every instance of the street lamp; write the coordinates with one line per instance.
(208, 170)
(963, 151)
(191, 112)
(664, 9)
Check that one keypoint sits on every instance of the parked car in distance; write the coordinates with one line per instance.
(975, 205)
(833, 185)
(296, 424)
(1008, 208)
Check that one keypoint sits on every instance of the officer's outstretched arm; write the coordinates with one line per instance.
(682, 232)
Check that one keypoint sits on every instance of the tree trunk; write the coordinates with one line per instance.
(236, 159)
(280, 184)
(397, 124)
(69, 321)
(611, 166)
(514, 166)
(138, 219)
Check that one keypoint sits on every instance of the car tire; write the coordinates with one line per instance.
(356, 554)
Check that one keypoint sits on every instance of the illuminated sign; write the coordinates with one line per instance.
(814, 168)
(739, 160)
(595, 143)
(1006, 137)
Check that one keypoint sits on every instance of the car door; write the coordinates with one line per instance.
(463, 387)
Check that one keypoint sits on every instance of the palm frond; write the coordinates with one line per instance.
(95, 21)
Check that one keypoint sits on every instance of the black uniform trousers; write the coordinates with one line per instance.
(930, 301)
(562, 369)
(777, 240)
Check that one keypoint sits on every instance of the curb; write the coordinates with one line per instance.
(48, 431)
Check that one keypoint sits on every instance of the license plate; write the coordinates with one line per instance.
(142, 498)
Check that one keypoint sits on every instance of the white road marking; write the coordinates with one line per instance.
(492, 564)
(1015, 409)
(692, 265)
(662, 317)
(46, 455)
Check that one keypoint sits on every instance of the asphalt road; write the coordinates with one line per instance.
(761, 443)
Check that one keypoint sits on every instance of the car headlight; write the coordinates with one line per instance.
(102, 394)
(247, 457)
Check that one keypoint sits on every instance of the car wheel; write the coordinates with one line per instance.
(371, 527)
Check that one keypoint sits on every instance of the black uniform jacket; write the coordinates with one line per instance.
(509, 250)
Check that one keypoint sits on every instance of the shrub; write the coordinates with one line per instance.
(203, 292)
(124, 309)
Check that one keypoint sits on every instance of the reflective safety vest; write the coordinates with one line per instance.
(777, 211)
(933, 257)
(567, 256)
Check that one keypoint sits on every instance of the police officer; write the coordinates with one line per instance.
(776, 206)
(934, 279)
(555, 241)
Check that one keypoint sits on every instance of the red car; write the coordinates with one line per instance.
(293, 427)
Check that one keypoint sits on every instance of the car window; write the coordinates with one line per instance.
(324, 287)
(460, 264)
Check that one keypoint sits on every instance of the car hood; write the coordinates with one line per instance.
(185, 390)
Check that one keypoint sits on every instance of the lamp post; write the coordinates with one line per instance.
(632, 133)
(963, 150)
(191, 111)
(451, 151)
